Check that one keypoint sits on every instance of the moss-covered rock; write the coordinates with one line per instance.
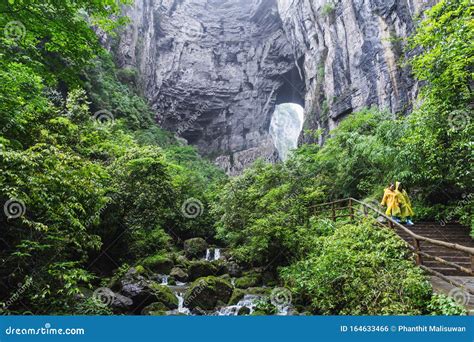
(195, 248)
(249, 279)
(163, 294)
(155, 309)
(237, 295)
(226, 277)
(137, 289)
(243, 311)
(179, 274)
(263, 291)
(201, 268)
(158, 264)
(140, 269)
(206, 293)
(182, 262)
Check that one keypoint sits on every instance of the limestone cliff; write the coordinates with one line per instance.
(352, 55)
(214, 70)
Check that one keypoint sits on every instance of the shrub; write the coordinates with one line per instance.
(360, 270)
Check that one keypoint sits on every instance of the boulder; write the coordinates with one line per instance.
(198, 269)
(195, 248)
(155, 309)
(158, 264)
(182, 261)
(243, 311)
(179, 274)
(121, 303)
(207, 293)
(249, 279)
(142, 292)
(135, 287)
(164, 295)
(237, 295)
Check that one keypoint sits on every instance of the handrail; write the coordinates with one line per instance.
(455, 246)
(416, 247)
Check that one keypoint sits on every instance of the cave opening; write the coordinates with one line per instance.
(287, 119)
(285, 128)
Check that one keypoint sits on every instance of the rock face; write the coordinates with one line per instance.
(352, 52)
(207, 293)
(138, 292)
(214, 70)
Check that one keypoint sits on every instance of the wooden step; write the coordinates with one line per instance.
(452, 233)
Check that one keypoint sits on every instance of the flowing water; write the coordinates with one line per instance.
(213, 254)
(217, 254)
(249, 301)
(163, 279)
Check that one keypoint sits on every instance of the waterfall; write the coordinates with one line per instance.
(181, 308)
(217, 253)
(163, 278)
(249, 301)
(285, 128)
(213, 254)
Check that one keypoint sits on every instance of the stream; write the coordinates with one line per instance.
(249, 301)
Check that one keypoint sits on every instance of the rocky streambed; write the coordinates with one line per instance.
(201, 280)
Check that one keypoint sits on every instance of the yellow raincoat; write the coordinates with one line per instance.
(390, 199)
(405, 203)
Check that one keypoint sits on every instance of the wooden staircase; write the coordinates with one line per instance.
(451, 233)
(444, 251)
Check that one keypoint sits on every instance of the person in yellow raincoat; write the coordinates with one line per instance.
(390, 199)
(406, 211)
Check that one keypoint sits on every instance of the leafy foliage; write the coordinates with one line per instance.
(92, 194)
(360, 270)
(260, 212)
(442, 305)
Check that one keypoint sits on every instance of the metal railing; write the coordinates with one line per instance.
(351, 207)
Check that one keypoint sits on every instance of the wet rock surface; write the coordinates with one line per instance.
(214, 70)
(207, 293)
(196, 287)
(352, 54)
